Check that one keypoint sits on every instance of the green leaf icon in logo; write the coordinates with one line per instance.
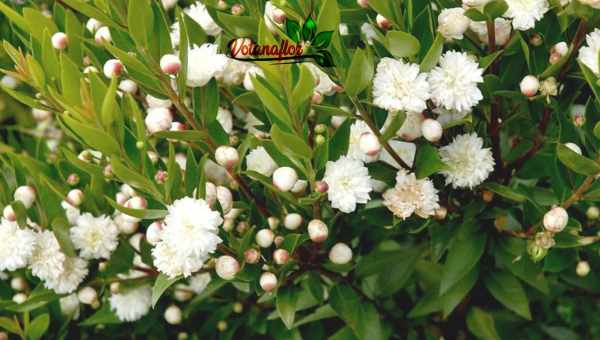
(309, 29)
(322, 39)
(292, 29)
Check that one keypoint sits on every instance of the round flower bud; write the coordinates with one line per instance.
(9, 214)
(227, 156)
(320, 128)
(87, 295)
(536, 252)
(25, 194)
(273, 222)
(592, 213)
(75, 197)
(40, 115)
(556, 219)
(554, 58)
(281, 256)
(241, 227)
(317, 98)
(73, 179)
(18, 283)
(487, 196)
(300, 186)
(337, 121)
(121, 198)
(536, 40)
(137, 202)
(432, 130)
(574, 147)
(292, 221)
(128, 86)
(268, 281)
(227, 267)
(278, 240)
(319, 139)
(154, 232)
(285, 178)
(157, 102)
(252, 256)
(318, 231)
(170, 64)
(363, 3)
(321, 186)
(168, 4)
(383, 22)
(238, 308)
(369, 144)
(103, 35)
(560, 48)
(264, 238)
(278, 16)
(112, 68)
(19, 298)
(115, 287)
(225, 198)
(93, 25)
(222, 326)
(158, 119)
(3, 336)
(340, 253)
(452, 23)
(173, 315)
(529, 86)
(228, 224)
(9, 81)
(182, 293)
(59, 40)
(237, 9)
(90, 69)
(582, 269)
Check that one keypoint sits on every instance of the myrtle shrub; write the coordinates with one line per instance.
(344, 169)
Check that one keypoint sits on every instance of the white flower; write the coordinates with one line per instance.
(405, 150)
(251, 124)
(260, 161)
(592, 3)
(204, 63)
(411, 196)
(399, 86)
(17, 245)
(250, 73)
(452, 23)
(199, 282)
(225, 118)
(475, 3)
(503, 29)
(325, 85)
(369, 31)
(47, 258)
(356, 130)
(454, 82)
(95, 237)
(270, 14)
(349, 183)
(469, 164)
(74, 271)
(588, 54)
(524, 13)
(170, 262)
(199, 14)
(133, 304)
(234, 71)
(69, 306)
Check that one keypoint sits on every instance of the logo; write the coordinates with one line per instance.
(306, 44)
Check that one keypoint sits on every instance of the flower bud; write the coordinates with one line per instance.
(554, 58)
(299, 186)
(3, 336)
(549, 87)
(227, 156)
(173, 315)
(278, 16)
(317, 98)
(18, 283)
(137, 202)
(227, 267)
(337, 121)
(112, 68)
(432, 130)
(284, 178)
(115, 287)
(252, 256)
(268, 281)
(241, 227)
(321, 186)
(93, 25)
(278, 241)
(73, 179)
(228, 224)
(128, 86)
(452, 23)
(273, 222)
(87, 295)
(340, 253)
(127, 227)
(225, 198)
(592, 213)
(182, 293)
(154, 102)
(25, 194)
(121, 198)
(238, 308)
(383, 22)
(281, 256)
(9, 214)
(536, 40)
(363, 3)
(556, 219)
(237, 9)
(170, 64)
(19, 298)
(40, 115)
(158, 119)
(320, 128)
(369, 144)
(582, 269)
(222, 326)
(536, 252)
(59, 40)
(9, 81)
(75, 197)
(264, 238)
(292, 221)
(168, 4)
(574, 147)
(560, 48)
(161, 176)
(319, 139)
(529, 86)
(487, 196)
(317, 231)
(154, 232)
(103, 35)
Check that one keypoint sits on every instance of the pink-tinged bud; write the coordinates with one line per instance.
(154, 232)
(75, 197)
(170, 64)
(59, 40)
(268, 281)
(338, 88)
(137, 202)
(113, 68)
(317, 98)
(93, 25)
(432, 130)
(278, 240)
(554, 58)
(225, 198)
(264, 238)
(103, 35)
(237, 9)
(227, 156)
(281, 256)
(536, 40)
(560, 48)
(529, 86)
(252, 256)
(285, 178)
(241, 227)
(222, 5)
(158, 119)
(299, 186)
(363, 3)
(556, 219)
(383, 22)
(128, 86)
(318, 231)
(107, 171)
(273, 222)
(292, 221)
(73, 179)
(121, 198)
(278, 16)
(321, 186)
(227, 267)
(340, 253)
(161, 176)
(25, 194)
(369, 144)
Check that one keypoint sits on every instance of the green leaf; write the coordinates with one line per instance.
(237, 25)
(38, 327)
(495, 9)
(338, 145)
(287, 298)
(508, 291)
(103, 316)
(160, 286)
(359, 74)
(398, 119)
(323, 312)
(428, 161)
(140, 20)
(361, 317)
(121, 260)
(185, 135)
(402, 44)
(61, 230)
(486, 61)
(21, 212)
(91, 11)
(94, 137)
(591, 79)
(309, 29)
(475, 15)
(576, 162)
(39, 297)
(292, 29)
(290, 144)
(292, 241)
(133, 178)
(144, 214)
(9, 324)
(462, 257)
(271, 101)
(14, 16)
(109, 105)
(433, 54)
(304, 88)
(506, 192)
(482, 324)
(329, 17)
(322, 39)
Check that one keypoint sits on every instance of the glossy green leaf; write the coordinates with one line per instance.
(402, 44)
(482, 324)
(38, 327)
(160, 286)
(508, 291)
(290, 144)
(287, 298)
(462, 257)
(576, 162)
(94, 137)
(359, 74)
(428, 161)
